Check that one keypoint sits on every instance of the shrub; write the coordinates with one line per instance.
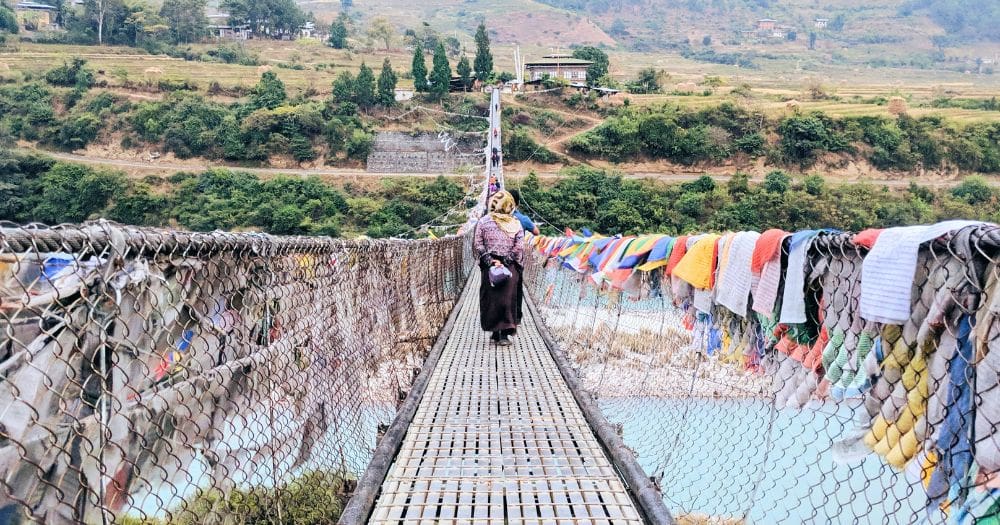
(738, 184)
(176, 85)
(76, 132)
(777, 182)
(973, 190)
(8, 22)
(359, 145)
(703, 184)
(691, 204)
(804, 137)
(287, 220)
(814, 185)
(301, 148)
(234, 54)
(313, 497)
(104, 100)
(74, 193)
(753, 144)
(71, 74)
(519, 146)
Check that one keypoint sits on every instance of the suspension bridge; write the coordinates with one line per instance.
(155, 376)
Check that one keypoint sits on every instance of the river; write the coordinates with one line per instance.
(725, 458)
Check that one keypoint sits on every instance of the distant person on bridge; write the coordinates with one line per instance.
(526, 222)
(496, 158)
(500, 243)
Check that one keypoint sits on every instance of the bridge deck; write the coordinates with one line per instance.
(498, 438)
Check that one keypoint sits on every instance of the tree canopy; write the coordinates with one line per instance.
(441, 74)
(483, 65)
(648, 81)
(464, 70)
(599, 68)
(266, 17)
(380, 30)
(338, 33)
(364, 87)
(269, 93)
(35, 188)
(419, 71)
(186, 19)
(387, 85)
(8, 22)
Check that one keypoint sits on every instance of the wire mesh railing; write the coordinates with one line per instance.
(154, 376)
(783, 387)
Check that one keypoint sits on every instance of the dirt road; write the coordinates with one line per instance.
(512, 170)
(158, 166)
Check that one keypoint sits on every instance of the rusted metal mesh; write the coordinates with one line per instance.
(160, 376)
(835, 420)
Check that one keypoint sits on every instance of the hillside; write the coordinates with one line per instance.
(510, 21)
(852, 21)
(878, 33)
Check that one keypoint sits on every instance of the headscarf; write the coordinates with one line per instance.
(501, 208)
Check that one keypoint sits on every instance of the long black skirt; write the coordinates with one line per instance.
(500, 306)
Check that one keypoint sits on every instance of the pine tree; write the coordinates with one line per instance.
(441, 74)
(186, 19)
(343, 87)
(419, 70)
(338, 33)
(465, 72)
(387, 85)
(364, 87)
(269, 93)
(484, 59)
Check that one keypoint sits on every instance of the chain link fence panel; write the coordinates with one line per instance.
(836, 419)
(154, 376)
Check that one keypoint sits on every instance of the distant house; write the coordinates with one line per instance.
(821, 23)
(34, 16)
(557, 66)
(766, 24)
(307, 30)
(403, 95)
(221, 29)
(228, 32)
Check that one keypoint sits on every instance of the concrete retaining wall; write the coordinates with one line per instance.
(396, 152)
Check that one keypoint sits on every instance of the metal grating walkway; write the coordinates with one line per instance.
(499, 439)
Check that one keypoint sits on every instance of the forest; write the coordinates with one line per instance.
(35, 188)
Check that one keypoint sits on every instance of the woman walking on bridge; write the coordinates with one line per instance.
(500, 245)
